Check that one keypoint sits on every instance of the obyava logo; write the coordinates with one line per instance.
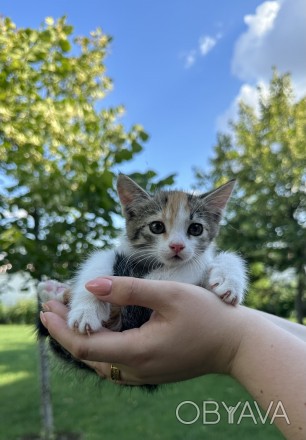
(211, 414)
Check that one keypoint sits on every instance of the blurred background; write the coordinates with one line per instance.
(177, 95)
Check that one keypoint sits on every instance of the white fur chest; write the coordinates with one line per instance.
(193, 272)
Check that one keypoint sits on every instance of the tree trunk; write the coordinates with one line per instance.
(299, 303)
(45, 391)
(45, 385)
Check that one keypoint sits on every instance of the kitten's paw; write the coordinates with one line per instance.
(226, 286)
(52, 289)
(88, 317)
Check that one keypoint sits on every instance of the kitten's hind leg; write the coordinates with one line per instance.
(52, 289)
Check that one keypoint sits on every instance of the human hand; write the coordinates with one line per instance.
(190, 333)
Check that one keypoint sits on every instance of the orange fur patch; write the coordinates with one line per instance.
(176, 200)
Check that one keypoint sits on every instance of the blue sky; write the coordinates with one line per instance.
(180, 67)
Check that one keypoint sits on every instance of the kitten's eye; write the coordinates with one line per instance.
(195, 229)
(157, 227)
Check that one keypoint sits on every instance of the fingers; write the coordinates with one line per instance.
(83, 347)
(101, 368)
(105, 346)
(56, 307)
(104, 371)
(156, 295)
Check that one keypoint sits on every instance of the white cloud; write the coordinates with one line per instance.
(190, 58)
(205, 45)
(275, 36)
(262, 22)
(249, 95)
(250, 52)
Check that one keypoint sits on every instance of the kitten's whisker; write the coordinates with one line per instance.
(144, 258)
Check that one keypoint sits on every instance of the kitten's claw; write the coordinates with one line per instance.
(88, 318)
(88, 329)
(75, 327)
(225, 286)
(229, 298)
(225, 295)
(234, 301)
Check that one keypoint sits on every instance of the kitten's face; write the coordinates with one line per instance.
(171, 227)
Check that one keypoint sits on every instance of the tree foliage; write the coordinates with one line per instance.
(265, 152)
(59, 149)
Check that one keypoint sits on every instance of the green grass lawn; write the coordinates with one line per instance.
(108, 412)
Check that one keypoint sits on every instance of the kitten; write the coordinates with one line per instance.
(169, 236)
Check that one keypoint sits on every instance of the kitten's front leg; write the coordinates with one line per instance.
(87, 314)
(227, 277)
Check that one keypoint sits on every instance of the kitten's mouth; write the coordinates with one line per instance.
(175, 259)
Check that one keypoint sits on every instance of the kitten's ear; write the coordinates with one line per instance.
(129, 191)
(217, 199)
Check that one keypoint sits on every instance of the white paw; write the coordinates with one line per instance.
(88, 317)
(225, 285)
(51, 289)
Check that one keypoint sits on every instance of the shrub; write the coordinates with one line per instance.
(22, 313)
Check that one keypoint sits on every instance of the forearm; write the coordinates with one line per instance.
(298, 330)
(271, 364)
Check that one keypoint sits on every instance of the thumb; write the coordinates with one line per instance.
(156, 295)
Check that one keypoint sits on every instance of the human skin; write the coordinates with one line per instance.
(269, 361)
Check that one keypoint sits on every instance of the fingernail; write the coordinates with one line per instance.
(43, 318)
(45, 307)
(103, 286)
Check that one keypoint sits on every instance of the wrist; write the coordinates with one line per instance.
(232, 344)
(228, 328)
(253, 332)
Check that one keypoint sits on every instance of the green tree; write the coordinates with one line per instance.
(58, 153)
(58, 148)
(265, 152)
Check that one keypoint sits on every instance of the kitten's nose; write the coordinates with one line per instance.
(176, 247)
